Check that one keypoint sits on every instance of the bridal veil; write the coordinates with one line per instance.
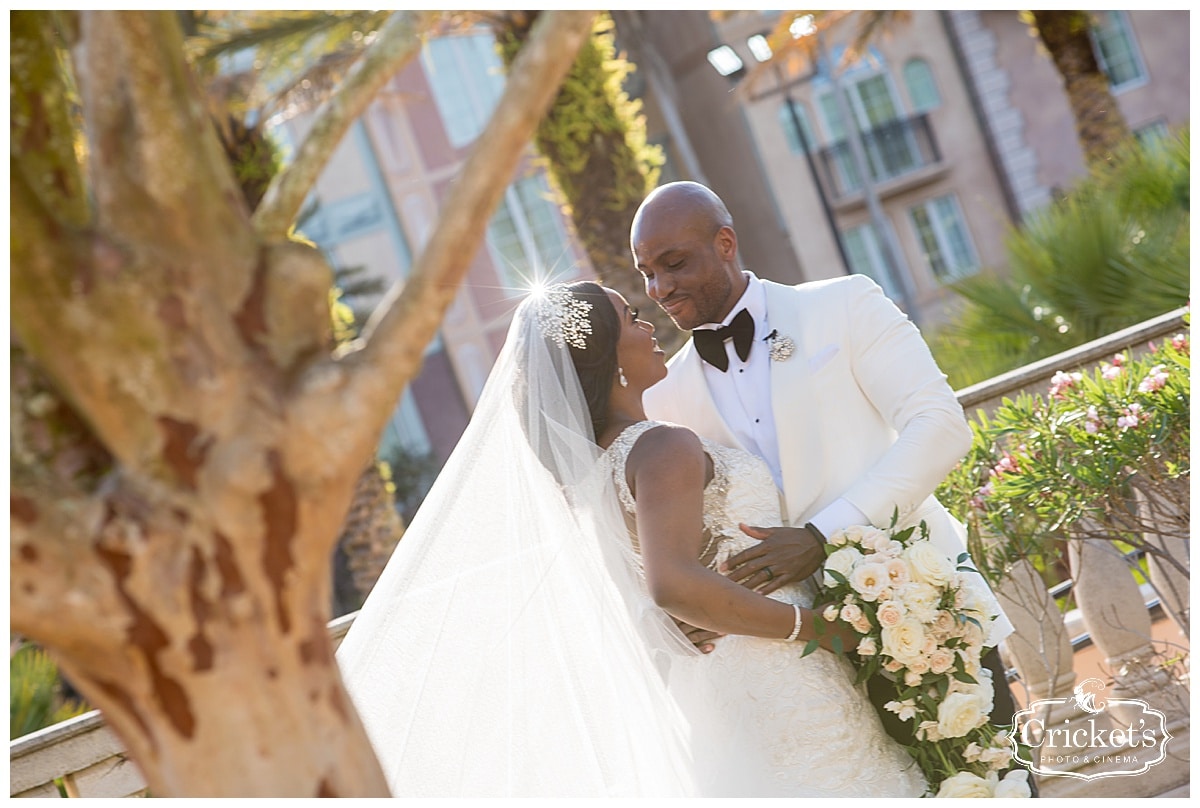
(509, 648)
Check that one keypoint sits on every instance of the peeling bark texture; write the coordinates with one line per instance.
(279, 515)
(184, 443)
(183, 450)
(1099, 123)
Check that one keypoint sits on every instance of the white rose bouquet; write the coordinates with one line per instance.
(922, 620)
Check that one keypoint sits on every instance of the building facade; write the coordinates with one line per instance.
(377, 202)
(965, 131)
(964, 125)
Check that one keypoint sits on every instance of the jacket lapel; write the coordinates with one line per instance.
(794, 406)
(695, 404)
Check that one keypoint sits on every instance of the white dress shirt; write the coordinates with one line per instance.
(742, 395)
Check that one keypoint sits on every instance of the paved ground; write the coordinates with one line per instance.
(1089, 661)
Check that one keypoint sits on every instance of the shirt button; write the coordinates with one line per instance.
(741, 370)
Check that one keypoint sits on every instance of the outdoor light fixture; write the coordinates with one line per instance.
(759, 47)
(726, 61)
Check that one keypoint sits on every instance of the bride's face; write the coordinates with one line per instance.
(638, 355)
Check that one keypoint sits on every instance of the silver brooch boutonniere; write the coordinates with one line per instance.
(781, 347)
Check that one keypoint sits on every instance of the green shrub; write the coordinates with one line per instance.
(1113, 252)
(36, 698)
(1081, 461)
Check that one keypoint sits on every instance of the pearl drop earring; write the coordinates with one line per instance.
(621, 377)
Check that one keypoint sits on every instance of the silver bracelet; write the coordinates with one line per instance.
(796, 628)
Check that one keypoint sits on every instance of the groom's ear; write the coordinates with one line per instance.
(725, 243)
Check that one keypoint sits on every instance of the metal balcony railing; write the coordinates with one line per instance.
(896, 148)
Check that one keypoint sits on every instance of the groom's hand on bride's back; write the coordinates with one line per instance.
(702, 638)
(783, 555)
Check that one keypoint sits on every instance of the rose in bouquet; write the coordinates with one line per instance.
(922, 619)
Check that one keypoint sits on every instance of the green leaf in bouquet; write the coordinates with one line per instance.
(943, 687)
(863, 675)
(963, 558)
(963, 676)
(809, 647)
(838, 577)
(904, 535)
(838, 648)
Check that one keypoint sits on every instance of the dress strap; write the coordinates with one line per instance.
(620, 449)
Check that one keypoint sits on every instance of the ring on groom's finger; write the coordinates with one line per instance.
(770, 575)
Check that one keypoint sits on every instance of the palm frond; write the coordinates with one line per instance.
(1114, 252)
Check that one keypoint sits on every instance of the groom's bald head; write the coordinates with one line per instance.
(685, 247)
(688, 204)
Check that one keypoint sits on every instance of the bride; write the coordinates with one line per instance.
(522, 640)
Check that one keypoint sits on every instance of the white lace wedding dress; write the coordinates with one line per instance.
(772, 723)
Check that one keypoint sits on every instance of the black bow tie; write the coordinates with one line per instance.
(710, 343)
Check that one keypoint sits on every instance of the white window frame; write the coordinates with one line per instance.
(849, 83)
(482, 98)
(1121, 18)
(511, 278)
(1153, 133)
(943, 240)
(921, 60)
(878, 270)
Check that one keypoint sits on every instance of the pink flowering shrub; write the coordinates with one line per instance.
(1041, 463)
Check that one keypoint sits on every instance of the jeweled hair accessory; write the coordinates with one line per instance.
(564, 317)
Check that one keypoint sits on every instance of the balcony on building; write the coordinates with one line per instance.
(901, 154)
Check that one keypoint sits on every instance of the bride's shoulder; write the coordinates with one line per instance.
(651, 440)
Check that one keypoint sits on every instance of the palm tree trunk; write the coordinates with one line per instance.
(1099, 123)
(594, 142)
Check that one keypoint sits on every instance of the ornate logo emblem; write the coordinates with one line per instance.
(1092, 737)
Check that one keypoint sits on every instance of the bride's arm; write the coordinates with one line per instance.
(667, 470)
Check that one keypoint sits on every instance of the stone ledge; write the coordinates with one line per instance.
(1015, 381)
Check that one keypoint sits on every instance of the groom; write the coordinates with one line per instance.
(828, 382)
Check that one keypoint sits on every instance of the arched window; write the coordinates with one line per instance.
(922, 90)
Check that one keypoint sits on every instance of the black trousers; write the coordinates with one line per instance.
(880, 691)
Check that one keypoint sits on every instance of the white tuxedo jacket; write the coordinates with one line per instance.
(861, 410)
